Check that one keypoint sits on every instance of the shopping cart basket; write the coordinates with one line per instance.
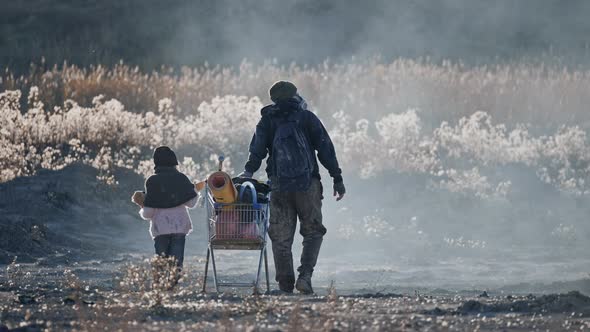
(237, 226)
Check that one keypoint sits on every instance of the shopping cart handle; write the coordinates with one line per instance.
(252, 190)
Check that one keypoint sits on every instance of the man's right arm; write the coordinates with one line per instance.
(258, 147)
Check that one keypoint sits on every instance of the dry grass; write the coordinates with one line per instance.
(530, 93)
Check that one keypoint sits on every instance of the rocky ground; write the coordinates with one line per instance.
(116, 295)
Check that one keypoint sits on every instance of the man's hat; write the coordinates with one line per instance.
(282, 90)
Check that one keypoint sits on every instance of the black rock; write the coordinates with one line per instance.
(435, 312)
(484, 294)
(26, 299)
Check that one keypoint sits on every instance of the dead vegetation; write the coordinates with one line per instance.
(129, 302)
(544, 95)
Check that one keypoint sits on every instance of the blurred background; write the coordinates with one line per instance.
(152, 33)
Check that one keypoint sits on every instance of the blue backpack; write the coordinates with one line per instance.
(293, 167)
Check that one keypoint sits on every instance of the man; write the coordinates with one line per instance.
(291, 135)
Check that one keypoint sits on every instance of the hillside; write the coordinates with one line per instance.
(61, 217)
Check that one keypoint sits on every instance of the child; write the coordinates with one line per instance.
(168, 194)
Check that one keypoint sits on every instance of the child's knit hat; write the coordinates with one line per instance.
(164, 156)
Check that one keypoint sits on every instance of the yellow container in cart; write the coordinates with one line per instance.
(222, 188)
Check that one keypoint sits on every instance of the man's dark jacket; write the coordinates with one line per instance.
(311, 126)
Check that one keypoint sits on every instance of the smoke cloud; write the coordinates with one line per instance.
(179, 32)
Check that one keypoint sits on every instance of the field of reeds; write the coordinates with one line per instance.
(445, 120)
(523, 92)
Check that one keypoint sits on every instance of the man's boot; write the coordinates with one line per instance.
(309, 257)
(303, 283)
(285, 275)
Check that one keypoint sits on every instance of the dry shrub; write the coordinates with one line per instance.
(332, 296)
(14, 274)
(296, 318)
(153, 282)
(71, 281)
(454, 155)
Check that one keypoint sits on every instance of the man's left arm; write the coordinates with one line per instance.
(321, 142)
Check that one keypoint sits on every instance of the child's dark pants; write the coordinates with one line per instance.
(171, 245)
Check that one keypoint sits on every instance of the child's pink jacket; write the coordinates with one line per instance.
(174, 220)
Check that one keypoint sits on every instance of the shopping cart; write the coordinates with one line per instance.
(237, 226)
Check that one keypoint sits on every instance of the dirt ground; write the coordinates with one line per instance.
(118, 295)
